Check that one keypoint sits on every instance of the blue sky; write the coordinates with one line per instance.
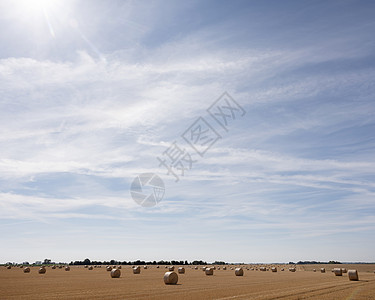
(92, 92)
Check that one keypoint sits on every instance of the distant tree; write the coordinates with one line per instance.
(87, 262)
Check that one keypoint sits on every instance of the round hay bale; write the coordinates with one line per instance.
(218, 268)
(314, 270)
(119, 267)
(337, 271)
(282, 269)
(157, 267)
(109, 268)
(196, 268)
(53, 267)
(9, 267)
(353, 275)
(60, 267)
(344, 270)
(170, 278)
(26, 270)
(292, 269)
(181, 270)
(42, 270)
(145, 267)
(262, 269)
(238, 272)
(322, 270)
(67, 268)
(90, 268)
(86, 266)
(224, 268)
(209, 271)
(136, 270)
(274, 269)
(115, 273)
(171, 268)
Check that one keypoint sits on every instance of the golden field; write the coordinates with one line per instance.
(81, 283)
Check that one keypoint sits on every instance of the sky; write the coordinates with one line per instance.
(94, 93)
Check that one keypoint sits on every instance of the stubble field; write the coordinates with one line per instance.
(81, 283)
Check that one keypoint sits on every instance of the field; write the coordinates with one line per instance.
(81, 283)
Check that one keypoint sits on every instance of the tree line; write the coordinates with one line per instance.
(136, 262)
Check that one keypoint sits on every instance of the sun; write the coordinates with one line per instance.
(30, 9)
(37, 4)
(36, 14)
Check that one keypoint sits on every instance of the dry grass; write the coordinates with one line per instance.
(96, 284)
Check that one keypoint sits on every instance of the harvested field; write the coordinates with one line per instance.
(79, 283)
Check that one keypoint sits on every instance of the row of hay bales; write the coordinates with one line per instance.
(352, 274)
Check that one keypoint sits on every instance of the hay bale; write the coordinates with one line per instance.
(53, 267)
(322, 270)
(145, 267)
(60, 267)
(282, 269)
(67, 268)
(136, 270)
(218, 268)
(171, 268)
(238, 272)
(224, 268)
(181, 270)
(115, 273)
(109, 268)
(170, 278)
(196, 268)
(26, 270)
(42, 270)
(353, 275)
(86, 266)
(209, 271)
(157, 267)
(90, 268)
(337, 271)
(274, 269)
(344, 270)
(314, 270)
(262, 269)
(292, 269)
